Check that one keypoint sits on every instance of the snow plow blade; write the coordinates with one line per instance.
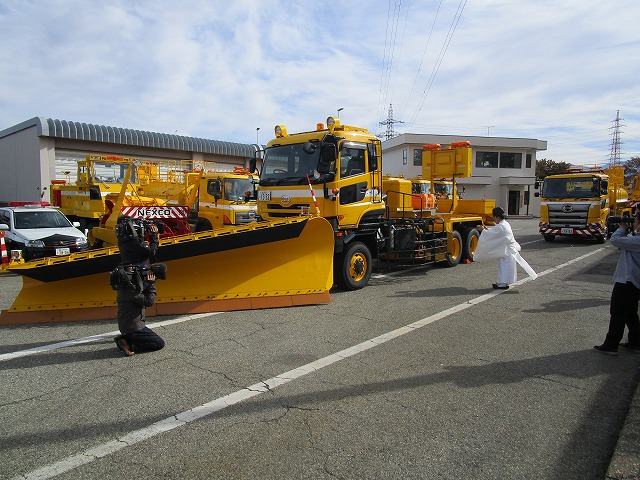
(260, 265)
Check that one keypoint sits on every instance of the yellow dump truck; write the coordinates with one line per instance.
(336, 172)
(197, 199)
(580, 203)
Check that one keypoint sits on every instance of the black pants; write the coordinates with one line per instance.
(624, 311)
(145, 340)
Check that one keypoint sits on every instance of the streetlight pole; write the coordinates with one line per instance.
(257, 130)
(339, 110)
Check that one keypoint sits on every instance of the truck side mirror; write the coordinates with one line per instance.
(215, 189)
(253, 165)
(373, 157)
(327, 158)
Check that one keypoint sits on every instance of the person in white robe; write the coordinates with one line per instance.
(498, 242)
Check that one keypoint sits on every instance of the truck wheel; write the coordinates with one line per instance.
(454, 250)
(471, 238)
(548, 237)
(203, 225)
(353, 267)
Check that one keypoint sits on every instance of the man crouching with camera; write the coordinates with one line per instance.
(134, 281)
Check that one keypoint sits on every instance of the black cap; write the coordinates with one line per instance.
(498, 212)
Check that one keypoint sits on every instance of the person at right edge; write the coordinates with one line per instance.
(140, 292)
(626, 291)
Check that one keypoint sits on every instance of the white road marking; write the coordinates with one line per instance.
(95, 338)
(191, 415)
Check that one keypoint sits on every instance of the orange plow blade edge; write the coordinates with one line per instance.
(260, 265)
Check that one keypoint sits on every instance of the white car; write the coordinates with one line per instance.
(40, 232)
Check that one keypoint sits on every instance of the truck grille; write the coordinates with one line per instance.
(568, 215)
(242, 218)
(277, 210)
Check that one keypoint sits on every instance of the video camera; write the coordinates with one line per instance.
(128, 276)
(617, 220)
(614, 221)
(128, 227)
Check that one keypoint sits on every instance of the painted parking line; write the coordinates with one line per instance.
(94, 338)
(204, 410)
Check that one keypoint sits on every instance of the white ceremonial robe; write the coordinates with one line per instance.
(499, 243)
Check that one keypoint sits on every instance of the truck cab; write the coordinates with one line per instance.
(333, 171)
(576, 204)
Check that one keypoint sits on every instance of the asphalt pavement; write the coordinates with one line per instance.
(426, 373)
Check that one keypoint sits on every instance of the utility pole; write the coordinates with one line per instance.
(614, 156)
(389, 122)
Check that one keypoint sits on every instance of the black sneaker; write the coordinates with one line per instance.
(630, 347)
(606, 350)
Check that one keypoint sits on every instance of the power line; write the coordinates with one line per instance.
(389, 47)
(443, 51)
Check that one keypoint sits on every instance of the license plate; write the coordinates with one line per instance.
(566, 231)
(62, 251)
(264, 195)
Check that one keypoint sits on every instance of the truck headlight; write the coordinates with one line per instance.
(35, 243)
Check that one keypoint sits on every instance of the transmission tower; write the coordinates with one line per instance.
(614, 156)
(389, 122)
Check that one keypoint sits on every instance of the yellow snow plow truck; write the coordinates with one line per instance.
(336, 173)
(583, 203)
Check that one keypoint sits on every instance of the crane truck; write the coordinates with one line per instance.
(170, 192)
(372, 216)
(582, 202)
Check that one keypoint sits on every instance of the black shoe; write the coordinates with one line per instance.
(500, 287)
(631, 347)
(123, 345)
(606, 350)
(495, 285)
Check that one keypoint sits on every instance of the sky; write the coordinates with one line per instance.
(554, 70)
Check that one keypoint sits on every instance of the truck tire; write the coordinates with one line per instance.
(93, 241)
(203, 225)
(548, 237)
(471, 237)
(454, 251)
(352, 269)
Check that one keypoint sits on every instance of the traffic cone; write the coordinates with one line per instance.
(3, 247)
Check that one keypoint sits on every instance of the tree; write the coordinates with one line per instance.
(631, 168)
(546, 167)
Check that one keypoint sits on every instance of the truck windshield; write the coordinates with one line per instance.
(235, 189)
(288, 165)
(582, 187)
(442, 190)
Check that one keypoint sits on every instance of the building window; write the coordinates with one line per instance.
(526, 197)
(404, 156)
(417, 157)
(528, 164)
(487, 159)
(510, 160)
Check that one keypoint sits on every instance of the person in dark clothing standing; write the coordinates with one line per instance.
(138, 290)
(626, 291)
